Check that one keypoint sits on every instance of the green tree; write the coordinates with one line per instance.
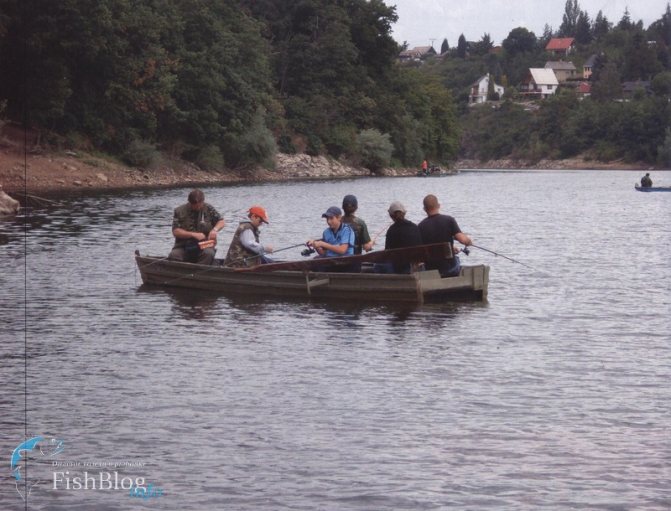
(607, 86)
(569, 19)
(583, 29)
(374, 149)
(444, 47)
(462, 47)
(600, 27)
(519, 40)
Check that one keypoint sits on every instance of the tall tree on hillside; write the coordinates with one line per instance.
(601, 26)
(583, 32)
(519, 40)
(462, 47)
(660, 30)
(444, 47)
(625, 23)
(547, 35)
(570, 19)
(607, 86)
(483, 46)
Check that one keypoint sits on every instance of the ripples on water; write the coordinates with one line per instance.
(553, 395)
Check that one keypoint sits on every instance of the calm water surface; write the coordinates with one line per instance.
(555, 394)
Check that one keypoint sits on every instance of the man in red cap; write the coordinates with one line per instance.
(245, 249)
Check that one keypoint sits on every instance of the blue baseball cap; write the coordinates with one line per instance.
(332, 211)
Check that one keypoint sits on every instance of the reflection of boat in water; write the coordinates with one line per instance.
(310, 279)
(652, 188)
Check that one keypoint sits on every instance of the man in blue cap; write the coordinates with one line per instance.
(338, 237)
(362, 239)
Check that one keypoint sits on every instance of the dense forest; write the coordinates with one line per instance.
(230, 83)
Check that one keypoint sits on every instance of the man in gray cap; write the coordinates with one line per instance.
(362, 239)
(402, 233)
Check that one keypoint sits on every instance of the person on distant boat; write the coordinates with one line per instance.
(646, 182)
(194, 222)
(425, 167)
(439, 228)
(401, 234)
(245, 249)
(338, 238)
(362, 239)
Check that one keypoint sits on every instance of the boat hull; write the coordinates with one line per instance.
(653, 188)
(428, 286)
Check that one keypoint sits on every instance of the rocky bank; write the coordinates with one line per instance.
(39, 173)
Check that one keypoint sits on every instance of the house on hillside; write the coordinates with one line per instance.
(630, 88)
(416, 54)
(588, 67)
(480, 89)
(563, 70)
(539, 83)
(560, 46)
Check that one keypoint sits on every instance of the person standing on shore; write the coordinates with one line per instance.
(646, 182)
(194, 222)
(439, 228)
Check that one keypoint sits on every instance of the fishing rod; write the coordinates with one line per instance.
(250, 258)
(505, 257)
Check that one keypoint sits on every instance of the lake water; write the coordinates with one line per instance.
(555, 394)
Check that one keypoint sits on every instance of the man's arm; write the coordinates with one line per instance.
(217, 227)
(463, 239)
(183, 234)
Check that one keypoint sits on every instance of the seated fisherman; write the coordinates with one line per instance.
(338, 237)
(402, 233)
(194, 222)
(362, 239)
(245, 249)
(646, 182)
(439, 228)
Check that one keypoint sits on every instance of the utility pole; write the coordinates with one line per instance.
(431, 41)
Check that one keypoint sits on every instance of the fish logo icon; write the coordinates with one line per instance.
(46, 447)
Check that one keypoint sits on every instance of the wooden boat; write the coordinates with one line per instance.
(652, 188)
(310, 279)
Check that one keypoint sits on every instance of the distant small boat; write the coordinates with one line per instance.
(436, 171)
(652, 188)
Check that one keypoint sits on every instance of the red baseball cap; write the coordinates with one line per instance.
(260, 212)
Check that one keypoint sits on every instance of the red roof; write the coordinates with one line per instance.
(559, 43)
(584, 88)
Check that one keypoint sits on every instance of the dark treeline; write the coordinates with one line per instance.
(220, 82)
(612, 123)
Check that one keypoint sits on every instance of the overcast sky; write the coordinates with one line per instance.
(419, 21)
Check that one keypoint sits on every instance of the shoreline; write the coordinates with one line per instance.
(71, 172)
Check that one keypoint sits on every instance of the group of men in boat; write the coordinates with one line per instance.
(196, 225)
